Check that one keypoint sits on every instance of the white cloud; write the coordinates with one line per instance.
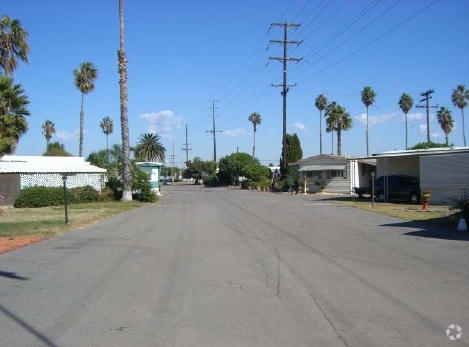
(415, 116)
(235, 133)
(298, 126)
(376, 119)
(162, 122)
(66, 136)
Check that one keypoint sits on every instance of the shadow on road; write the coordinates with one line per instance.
(12, 275)
(433, 232)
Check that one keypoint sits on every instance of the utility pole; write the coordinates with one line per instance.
(284, 85)
(426, 96)
(186, 148)
(213, 131)
(172, 156)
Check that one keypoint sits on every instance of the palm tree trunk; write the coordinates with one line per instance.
(107, 147)
(446, 137)
(320, 132)
(332, 151)
(463, 128)
(82, 119)
(367, 147)
(406, 147)
(254, 146)
(122, 66)
(339, 141)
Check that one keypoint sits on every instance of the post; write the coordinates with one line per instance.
(305, 186)
(372, 189)
(64, 179)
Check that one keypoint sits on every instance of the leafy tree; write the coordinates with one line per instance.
(320, 103)
(255, 119)
(122, 68)
(293, 151)
(425, 145)
(56, 149)
(48, 129)
(85, 77)
(231, 167)
(256, 172)
(13, 112)
(13, 44)
(194, 169)
(405, 103)
(368, 99)
(339, 118)
(149, 148)
(446, 121)
(99, 159)
(107, 126)
(459, 97)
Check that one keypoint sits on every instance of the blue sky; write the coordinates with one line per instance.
(184, 54)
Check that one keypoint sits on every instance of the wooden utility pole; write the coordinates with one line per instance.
(172, 156)
(186, 148)
(284, 85)
(426, 96)
(213, 131)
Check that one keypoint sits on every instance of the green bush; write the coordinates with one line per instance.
(82, 194)
(141, 186)
(360, 191)
(211, 181)
(54, 196)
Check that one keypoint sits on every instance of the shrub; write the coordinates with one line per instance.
(360, 191)
(141, 186)
(40, 197)
(82, 194)
(211, 181)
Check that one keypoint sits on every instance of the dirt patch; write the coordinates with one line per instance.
(11, 243)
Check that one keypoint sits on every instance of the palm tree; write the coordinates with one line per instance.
(255, 119)
(330, 121)
(405, 103)
(149, 148)
(368, 98)
(107, 126)
(459, 97)
(338, 119)
(446, 121)
(321, 103)
(122, 67)
(13, 114)
(13, 45)
(48, 129)
(84, 81)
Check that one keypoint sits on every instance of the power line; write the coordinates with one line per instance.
(186, 148)
(426, 96)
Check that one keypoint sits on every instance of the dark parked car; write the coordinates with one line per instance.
(398, 188)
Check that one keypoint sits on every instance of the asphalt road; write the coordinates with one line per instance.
(228, 267)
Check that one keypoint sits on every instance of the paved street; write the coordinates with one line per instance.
(229, 267)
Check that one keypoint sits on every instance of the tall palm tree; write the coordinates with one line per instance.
(446, 121)
(149, 148)
(339, 119)
(255, 119)
(107, 126)
(48, 129)
(320, 103)
(405, 103)
(459, 97)
(331, 121)
(368, 99)
(13, 45)
(85, 77)
(122, 68)
(13, 112)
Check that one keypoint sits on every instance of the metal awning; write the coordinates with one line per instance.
(322, 167)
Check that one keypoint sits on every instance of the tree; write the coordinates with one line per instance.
(231, 167)
(13, 44)
(330, 123)
(338, 119)
(293, 151)
(122, 68)
(149, 148)
(99, 158)
(405, 103)
(425, 145)
(85, 77)
(368, 99)
(459, 97)
(107, 126)
(48, 129)
(13, 114)
(446, 121)
(320, 103)
(194, 169)
(255, 119)
(56, 149)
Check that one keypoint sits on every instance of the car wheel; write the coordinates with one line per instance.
(414, 198)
